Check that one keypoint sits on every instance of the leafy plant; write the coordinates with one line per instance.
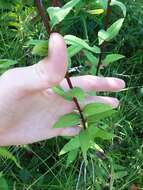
(8, 155)
(115, 155)
(57, 14)
(91, 114)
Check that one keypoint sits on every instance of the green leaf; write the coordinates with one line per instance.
(103, 36)
(35, 42)
(71, 145)
(121, 5)
(120, 174)
(57, 14)
(60, 91)
(69, 95)
(8, 155)
(96, 108)
(6, 63)
(73, 50)
(77, 93)
(103, 4)
(71, 157)
(73, 40)
(111, 32)
(95, 132)
(85, 143)
(68, 120)
(96, 147)
(92, 93)
(3, 184)
(114, 29)
(92, 59)
(41, 48)
(112, 58)
(99, 116)
(96, 11)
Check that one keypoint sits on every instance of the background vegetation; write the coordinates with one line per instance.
(42, 169)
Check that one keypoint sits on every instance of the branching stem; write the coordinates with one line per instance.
(44, 17)
(76, 102)
(45, 20)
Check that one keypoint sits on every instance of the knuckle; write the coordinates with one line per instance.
(52, 79)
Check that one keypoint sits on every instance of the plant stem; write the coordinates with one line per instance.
(56, 3)
(85, 27)
(107, 15)
(102, 47)
(44, 17)
(45, 20)
(76, 102)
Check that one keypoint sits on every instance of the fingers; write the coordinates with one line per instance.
(70, 131)
(47, 73)
(70, 106)
(89, 83)
(114, 102)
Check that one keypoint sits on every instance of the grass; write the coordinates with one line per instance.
(42, 169)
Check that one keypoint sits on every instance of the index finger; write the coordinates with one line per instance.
(99, 84)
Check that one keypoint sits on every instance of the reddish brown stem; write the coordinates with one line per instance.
(76, 102)
(107, 15)
(56, 3)
(45, 20)
(103, 46)
(44, 17)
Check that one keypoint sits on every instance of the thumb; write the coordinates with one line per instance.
(53, 68)
(45, 74)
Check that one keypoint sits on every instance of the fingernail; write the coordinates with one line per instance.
(51, 43)
(121, 83)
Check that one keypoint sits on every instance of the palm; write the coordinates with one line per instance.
(29, 108)
(31, 117)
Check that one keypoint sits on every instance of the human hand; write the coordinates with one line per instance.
(29, 107)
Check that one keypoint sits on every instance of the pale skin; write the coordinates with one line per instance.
(28, 106)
